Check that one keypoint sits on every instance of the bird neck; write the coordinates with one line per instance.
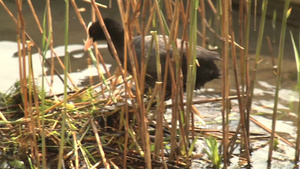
(118, 41)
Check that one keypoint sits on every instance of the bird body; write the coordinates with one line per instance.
(206, 71)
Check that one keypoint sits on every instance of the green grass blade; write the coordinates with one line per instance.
(66, 62)
(296, 58)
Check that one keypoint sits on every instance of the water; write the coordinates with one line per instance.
(80, 71)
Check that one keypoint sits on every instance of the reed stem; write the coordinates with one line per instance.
(279, 73)
(66, 63)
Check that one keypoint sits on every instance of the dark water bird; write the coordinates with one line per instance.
(206, 71)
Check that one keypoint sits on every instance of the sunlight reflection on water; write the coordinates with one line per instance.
(9, 64)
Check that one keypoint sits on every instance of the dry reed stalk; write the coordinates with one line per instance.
(243, 102)
(245, 138)
(248, 100)
(105, 162)
(53, 70)
(225, 80)
(76, 147)
(129, 48)
(77, 12)
(175, 74)
(96, 49)
(50, 41)
(144, 62)
(61, 102)
(203, 21)
(32, 88)
(127, 90)
(22, 56)
(159, 127)
(270, 131)
(35, 16)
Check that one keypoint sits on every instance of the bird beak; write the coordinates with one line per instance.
(88, 42)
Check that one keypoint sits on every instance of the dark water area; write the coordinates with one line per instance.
(265, 85)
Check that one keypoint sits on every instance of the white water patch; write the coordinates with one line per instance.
(286, 95)
(266, 106)
(281, 126)
(9, 73)
(259, 158)
(266, 85)
(10, 66)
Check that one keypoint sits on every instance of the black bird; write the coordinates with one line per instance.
(206, 72)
